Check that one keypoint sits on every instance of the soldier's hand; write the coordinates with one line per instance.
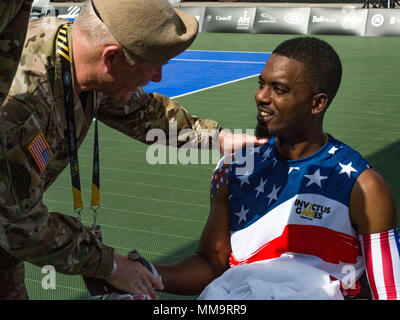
(231, 142)
(134, 278)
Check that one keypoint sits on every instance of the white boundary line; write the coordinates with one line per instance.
(220, 84)
(261, 52)
(215, 86)
(223, 61)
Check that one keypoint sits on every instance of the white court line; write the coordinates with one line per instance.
(223, 61)
(215, 86)
(229, 51)
(58, 285)
(221, 84)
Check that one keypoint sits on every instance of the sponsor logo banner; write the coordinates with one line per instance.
(281, 20)
(383, 22)
(347, 21)
(198, 12)
(273, 20)
(228, 19)
(302, 1)
(60, 11)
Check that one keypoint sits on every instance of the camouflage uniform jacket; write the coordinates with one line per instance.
(36, 105)
(14, 15)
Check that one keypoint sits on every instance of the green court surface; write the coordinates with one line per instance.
(161, 209)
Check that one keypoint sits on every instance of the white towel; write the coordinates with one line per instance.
(276, 279)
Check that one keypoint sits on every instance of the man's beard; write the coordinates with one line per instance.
(262, 131)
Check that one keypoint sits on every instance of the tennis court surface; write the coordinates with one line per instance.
(161, 209)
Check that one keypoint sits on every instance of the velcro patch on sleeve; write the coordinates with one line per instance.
(40, 151)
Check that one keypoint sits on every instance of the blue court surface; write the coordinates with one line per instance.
(194, 71)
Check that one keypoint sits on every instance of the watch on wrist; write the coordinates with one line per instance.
(135, 256)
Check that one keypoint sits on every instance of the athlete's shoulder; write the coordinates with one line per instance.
(345, 155)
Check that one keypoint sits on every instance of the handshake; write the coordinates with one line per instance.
(104, 290)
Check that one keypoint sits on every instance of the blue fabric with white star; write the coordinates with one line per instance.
(260, 179)
(220, 178)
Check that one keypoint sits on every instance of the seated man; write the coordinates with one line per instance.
(309, 199)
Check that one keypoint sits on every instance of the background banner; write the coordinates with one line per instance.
(198, 12)
(281, 20)
(346, 21)
(272, 20)
(383, 22)
(228, 19)
(302, 1)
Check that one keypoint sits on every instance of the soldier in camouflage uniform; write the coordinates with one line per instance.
(14, 17)
(35, 110)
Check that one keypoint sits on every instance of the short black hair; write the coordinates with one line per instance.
(321, 62)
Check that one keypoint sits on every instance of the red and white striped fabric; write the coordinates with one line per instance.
(329, 244)
(381, 253)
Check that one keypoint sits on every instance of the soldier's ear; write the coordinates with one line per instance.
(110, 56)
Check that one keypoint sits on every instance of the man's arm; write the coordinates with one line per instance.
(148, 111)
(192, 274)
(174, 124)
(372, 206)
(28, 231)
(373, 214)
(14, 17)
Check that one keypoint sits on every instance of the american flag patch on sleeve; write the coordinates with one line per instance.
(40, 151)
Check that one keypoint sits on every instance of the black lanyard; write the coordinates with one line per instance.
(63, 52)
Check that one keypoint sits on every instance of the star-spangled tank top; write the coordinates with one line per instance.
(293, 207)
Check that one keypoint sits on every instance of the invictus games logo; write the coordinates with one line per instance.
(310, 210)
